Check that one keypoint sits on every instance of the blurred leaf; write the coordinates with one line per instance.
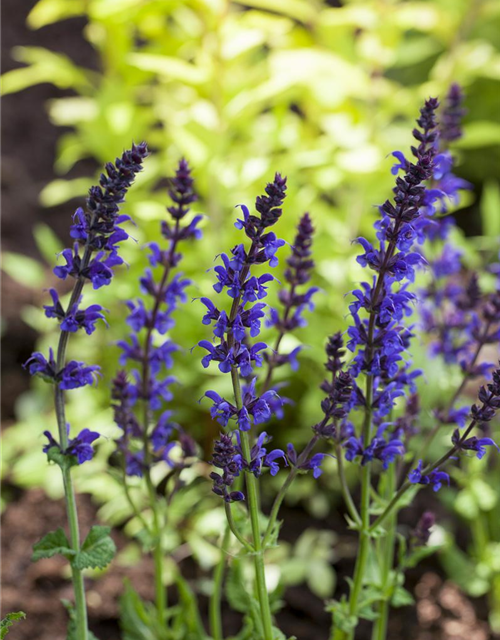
(60, 191)
(490, 208)
(8, 621)
(321, 579)
(297, 9)
(48, 11)
(24, 270)
(138, 620)
(44, 66)
(47, 242)
(402, 598)
(480, 134)
(171, 68)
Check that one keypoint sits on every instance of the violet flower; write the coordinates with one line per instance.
(233, 349)
(380, 340)
(145, 444)
(97, 234)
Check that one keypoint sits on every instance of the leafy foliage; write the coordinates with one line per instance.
(8, 621)
(97, 550)
(52, 544)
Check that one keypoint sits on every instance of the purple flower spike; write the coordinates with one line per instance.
(148, 319)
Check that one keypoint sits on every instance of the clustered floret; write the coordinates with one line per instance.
(153, 359)
(97, 232)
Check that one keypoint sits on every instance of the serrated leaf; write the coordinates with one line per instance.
(52, 544)
(97, 551)
(8, 621)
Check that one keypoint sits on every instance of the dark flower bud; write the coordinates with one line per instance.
(269, 206)
(452, 114)
(422, 532)
(181, 191)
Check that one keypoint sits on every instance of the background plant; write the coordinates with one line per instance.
(328, 125)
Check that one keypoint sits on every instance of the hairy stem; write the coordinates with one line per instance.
(215, 618)
(387, 558)
(346, 494)
(260, 577)
(253, 508)
(69, 492)
(160, 591)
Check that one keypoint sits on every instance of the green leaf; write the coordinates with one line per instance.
(401, 598)
(480, 134)
(52, 544)
(490, 208)
(97, 551)
(342, 620)
(48, 11)
(138, 619)
(191, 626)
(419, 553)
(297, 9)
(43, 66)
(8, 621)
(321, 578)
(47, 242)
(23, 270)
(236, 593)
(60, 191)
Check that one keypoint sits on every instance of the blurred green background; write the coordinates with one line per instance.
(321, 91)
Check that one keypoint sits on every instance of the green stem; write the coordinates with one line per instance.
(260, 577)
(215, 599)
(351, 507)
(77, 576)
(160, 590)
(380, 626)
(69, 492)
(234, 529)
(284, 488)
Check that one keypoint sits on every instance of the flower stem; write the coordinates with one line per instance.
(160, 591)
(387, 558)
(351, 507)
(260, 577)
(69, 492)
(253, 507)
(77, 576)
(284, 488)
(215, 599)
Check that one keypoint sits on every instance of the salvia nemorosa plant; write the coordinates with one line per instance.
(149, 433)
(370, 415)
(97, 233)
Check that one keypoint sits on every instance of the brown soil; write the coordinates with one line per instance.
(442, 611)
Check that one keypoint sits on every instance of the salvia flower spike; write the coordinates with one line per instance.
(97, 234)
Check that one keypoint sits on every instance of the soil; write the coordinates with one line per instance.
(442, 612)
